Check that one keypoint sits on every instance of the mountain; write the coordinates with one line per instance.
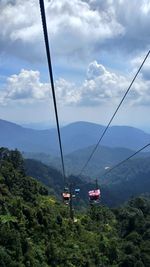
(130, 179)
(104, 157)
(54, 182)
(49, 176)
(24, 139)
(36, 229)
(75, 136)
(79, 135)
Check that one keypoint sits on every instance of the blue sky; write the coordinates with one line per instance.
(96, 46)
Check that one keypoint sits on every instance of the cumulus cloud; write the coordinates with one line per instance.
(105, 86)
(79, 29)
(135, 18)
(24, 87)
(145, 72)
(67, 92)
(101, 86)
(75, 27)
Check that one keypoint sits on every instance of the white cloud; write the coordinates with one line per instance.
(75, 27)
(80, 30)
(134, 16)
(25, 87)
(146, 68)
(105, 86)
(67, 93)
(101, 86)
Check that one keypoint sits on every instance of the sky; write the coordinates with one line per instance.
(96, 48)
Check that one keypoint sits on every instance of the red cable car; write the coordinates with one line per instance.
(66, 196)
(94, 195)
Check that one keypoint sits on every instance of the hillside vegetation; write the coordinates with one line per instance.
(36, 231)
(74, 162)
(130, 179)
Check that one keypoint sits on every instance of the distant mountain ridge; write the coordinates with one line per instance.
(104, 157)
(130, 179)
(75, 136)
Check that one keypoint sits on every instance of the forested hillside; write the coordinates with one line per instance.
(53, 180)
(35, 228)
(104, 157)
(130, 179)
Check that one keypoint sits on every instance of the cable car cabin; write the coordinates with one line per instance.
(66, 197)
(94, 196)
(77, 191)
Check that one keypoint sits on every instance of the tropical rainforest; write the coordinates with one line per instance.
(128, 180)
(36, 230)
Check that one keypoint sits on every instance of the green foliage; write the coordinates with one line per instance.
(130, 179)
(36, 231)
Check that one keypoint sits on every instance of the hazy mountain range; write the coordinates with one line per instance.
(78, 140)
(104, 157)
(75, 136)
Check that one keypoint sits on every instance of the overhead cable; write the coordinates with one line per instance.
(44, 23)
(106, 128)
(123, 161)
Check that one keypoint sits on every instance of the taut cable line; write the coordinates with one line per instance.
(123, 161)
(118, 107)
(44, 23)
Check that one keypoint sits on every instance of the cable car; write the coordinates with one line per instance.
(77, 191)
(66, 196)
(94, 195)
